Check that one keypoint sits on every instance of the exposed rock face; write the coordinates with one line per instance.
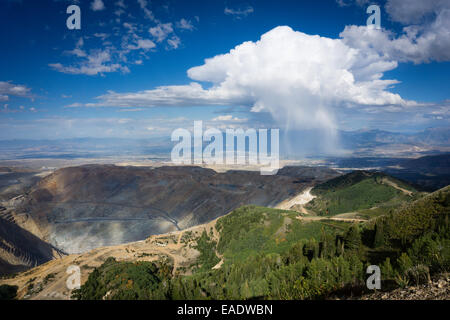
(20, 250)
(81, 208)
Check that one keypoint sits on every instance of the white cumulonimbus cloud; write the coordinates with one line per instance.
(304, 80)
(296, 77)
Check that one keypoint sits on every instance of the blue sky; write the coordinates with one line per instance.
(137, 68)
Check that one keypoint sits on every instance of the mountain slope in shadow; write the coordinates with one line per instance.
(21, 250)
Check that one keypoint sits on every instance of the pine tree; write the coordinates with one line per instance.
(246, 293)
(404, 263)
(387, 271)
(379, 239)
(352, 238)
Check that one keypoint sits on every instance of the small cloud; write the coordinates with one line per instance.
(130, 27)
(174, 42)
(131, 110)
(97, 62)
(161, 31)
(97, 5)
(8, 89)
(121, 4)
(77, 52)
(345, 3)
(148, 13)
(238, 13)
(74, 105)
(185, 24)
(144, 44)
(119, 12)
(102, 36)
(5, 109)
(228, 118)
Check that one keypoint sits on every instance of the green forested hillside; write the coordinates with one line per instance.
(360, 190)
(126, 280)
(269, 254)
(254, 230)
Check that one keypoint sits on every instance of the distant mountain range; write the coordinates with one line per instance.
(293, 144)
(82, 148)
(364, 138)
